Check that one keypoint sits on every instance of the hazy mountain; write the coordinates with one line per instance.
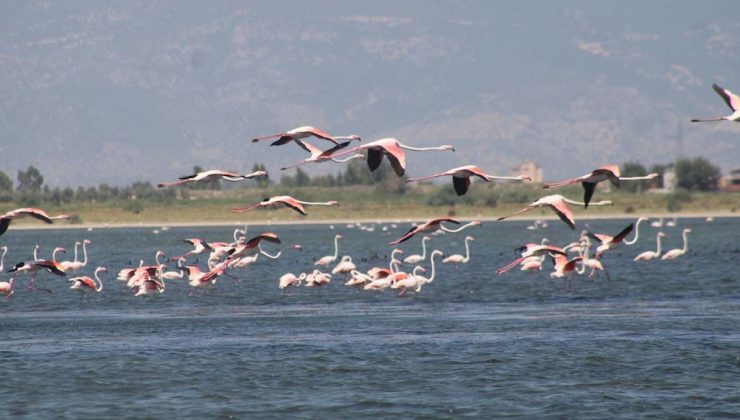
(120, 91)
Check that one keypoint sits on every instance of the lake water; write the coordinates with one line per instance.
(659, 339)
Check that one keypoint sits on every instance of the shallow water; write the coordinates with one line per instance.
(659, 339)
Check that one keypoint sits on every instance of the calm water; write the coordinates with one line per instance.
(660, 339)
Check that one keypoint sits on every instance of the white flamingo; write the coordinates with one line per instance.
(675, 253)
(649, 255)
(328, 259)
(457, 258)
(416, 258)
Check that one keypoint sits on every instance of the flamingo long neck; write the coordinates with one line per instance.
(77, 245)
(156, 258)
(465, 226)
(504, 178)
(53, 256)
(336, 247)
(2, 259)
(685, 242)
(637, 233)
(659, 240)
(423, 249)
(356, 156)
(274, 257)
(310, 203)
(583, 252)
(99, 287)
(84, 253)
(421, 149)
(635, 178)
(35, 253)
(467, 251)
(431, 277)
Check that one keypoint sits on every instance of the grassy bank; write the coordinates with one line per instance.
(369, 203)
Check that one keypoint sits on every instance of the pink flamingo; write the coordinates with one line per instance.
(290, 280)
(212, 175)
(531, 250)
(317, 155)
(564, 268)
(431, 226)
(558, 204)
(6, 287)
(461, 177)
(287, 201)
(731, 99)
(33, 267)
(607, 242)
(85, 282)
(328, 259)
(589, 181)
(302, 133)
(391, 148)
(27, 212)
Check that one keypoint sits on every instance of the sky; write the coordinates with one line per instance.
(121, 91)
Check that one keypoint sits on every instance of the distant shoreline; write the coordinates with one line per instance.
(160, 224)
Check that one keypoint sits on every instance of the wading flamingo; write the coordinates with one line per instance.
(6, 287)
(212, 175)
(416, 258)
(589, 181)
(290, 280)
(345, 266)
(432, 226)
(461, 177)
(317, 278)
(39, 214)
(391, 148)
(731, 99)
(649, 255)
(675, 253)
(592, 263)
(287, 201)
(75, 265)
(457, 258)
(86, 283)
(559, 205)
(55, 252)
(328, 259)
(416, 280)
(302, 133)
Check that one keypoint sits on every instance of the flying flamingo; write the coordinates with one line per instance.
(290, 280)
(461, 177)
(328, 259)
(675, 253)
(391, 148)
(27, 212)
(531, 250)
(649, 255)
(564, 268)
(317, 155)
(33, 267)
(302, 133)
(731, 99)
(416, 258)
(589, 181)
(85, 282)
(210, 176)
(457, 258)
(607, 242)
(125, 274)
(75, 265)
(287, 201)
(432, 226)
(558, 204)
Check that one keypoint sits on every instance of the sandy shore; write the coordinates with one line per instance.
(268, 222)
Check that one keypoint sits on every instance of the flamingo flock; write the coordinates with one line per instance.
(225, 258)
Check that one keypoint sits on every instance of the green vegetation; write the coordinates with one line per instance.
(362, 195)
